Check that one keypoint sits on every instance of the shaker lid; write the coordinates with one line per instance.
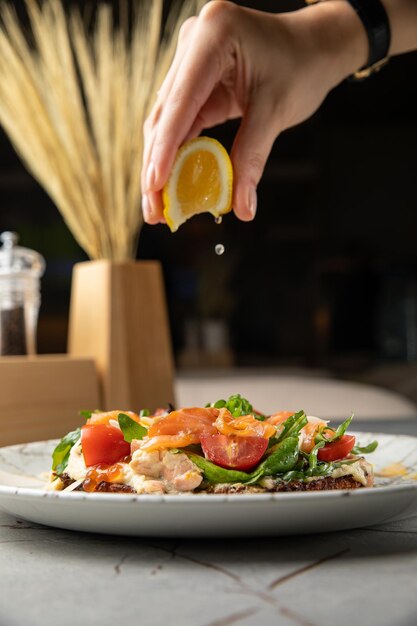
(17, 260)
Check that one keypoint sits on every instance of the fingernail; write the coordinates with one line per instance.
(252, 202)
(150, 175)
(146, 209)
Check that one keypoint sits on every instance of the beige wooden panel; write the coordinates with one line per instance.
(40, 396)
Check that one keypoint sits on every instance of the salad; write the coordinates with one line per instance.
(224, 447)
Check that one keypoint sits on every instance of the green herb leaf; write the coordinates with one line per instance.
(144, 413)
(365, 449)
(88, 414)
(340, 430)
(62, 451)
(237, 405)
(131, 429)
(282, 459)
(291, 427)
(319, 470)
(85, 414)
(312, 457)
(338, 433)
(215, 474)
(293, 475)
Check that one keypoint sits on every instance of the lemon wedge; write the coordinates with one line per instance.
(201, 181)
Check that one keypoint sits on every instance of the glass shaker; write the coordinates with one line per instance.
(20, 273)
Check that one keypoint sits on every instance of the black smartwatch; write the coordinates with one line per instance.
(375, 20)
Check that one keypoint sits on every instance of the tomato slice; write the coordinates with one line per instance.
(102, 443)
(232, 452)
(336, 449)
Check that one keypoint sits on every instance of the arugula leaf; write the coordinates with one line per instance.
(215, 474)
(293, 475)
(283, 458)
(291, 427)
(341, 429)
(371, 447)
(338, 433)
(321, 469)
(62, 451)
(130, 429)
(312, 457)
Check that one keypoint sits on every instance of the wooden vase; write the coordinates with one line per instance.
(118, 316)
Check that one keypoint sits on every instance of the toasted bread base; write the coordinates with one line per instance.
(320, 484)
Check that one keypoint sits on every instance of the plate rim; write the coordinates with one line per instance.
(204, 499)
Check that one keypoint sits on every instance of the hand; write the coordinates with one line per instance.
(271, 70)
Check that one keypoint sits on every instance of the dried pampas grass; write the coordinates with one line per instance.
(73, 99)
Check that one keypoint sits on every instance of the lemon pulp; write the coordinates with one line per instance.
(201, 181)
(198, 188)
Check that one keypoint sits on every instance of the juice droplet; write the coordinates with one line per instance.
(219, 249)
(218, 220)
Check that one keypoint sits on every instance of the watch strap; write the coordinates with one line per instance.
(374, 17)
(375, 20)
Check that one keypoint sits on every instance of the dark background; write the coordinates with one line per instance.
(325, 277)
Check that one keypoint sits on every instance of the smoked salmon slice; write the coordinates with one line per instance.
(194, 421)
(181, 428)
(244, 426)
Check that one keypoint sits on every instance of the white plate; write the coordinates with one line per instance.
(22, 495)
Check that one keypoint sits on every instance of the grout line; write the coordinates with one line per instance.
(265, 597)
(298, 619)
(233, 618)
(205, 564)
(305, 568)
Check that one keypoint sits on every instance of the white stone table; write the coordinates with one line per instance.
(367, 577)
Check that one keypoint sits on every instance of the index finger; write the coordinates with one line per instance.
(196, 78)
(153, 117)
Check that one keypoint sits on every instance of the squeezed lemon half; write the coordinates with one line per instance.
(201, 181)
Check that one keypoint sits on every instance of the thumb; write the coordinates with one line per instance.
(251, 148)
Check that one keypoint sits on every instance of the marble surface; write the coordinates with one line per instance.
(53, 577)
